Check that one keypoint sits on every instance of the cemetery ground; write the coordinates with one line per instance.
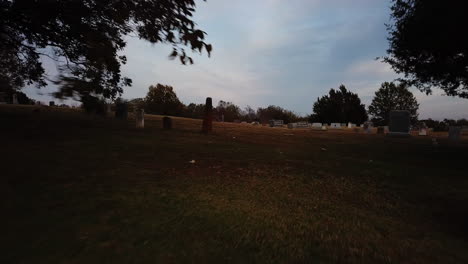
(83, 189)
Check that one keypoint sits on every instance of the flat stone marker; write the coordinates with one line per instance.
(207, 125)
(276, 123)
(454, 133)
(317, 126)
(292, 125)
(167, 123)
(140, 118)
(335, 126)
(399, 124)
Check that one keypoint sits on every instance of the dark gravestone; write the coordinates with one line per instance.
(399, 124)
(207, 125)
(51, 103)
(167, 122)
(455, 132)
(121, 110)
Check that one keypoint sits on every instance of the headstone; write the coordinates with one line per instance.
(368, 127)
(207, 125)
(302, 125)
(351, 125)
(276, 123)
(14, 99)
(399, 124)
(167, 122)
(380, 130)
(423, 132)
(51, 103)
(255, 123)
(121, 110)
(317, 126)
(454, 133)
(335, 126)
(324, 128)
(222, 117)
(140, 118)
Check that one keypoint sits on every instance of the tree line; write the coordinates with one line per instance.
(162, 100)
(338, 106)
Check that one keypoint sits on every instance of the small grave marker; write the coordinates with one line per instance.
(140, 118)
(167, 123)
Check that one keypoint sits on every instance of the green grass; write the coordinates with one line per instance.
(82, 189)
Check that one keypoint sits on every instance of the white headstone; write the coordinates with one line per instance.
(324, 128)
(140, 118)
(423, 132)
(335, 126)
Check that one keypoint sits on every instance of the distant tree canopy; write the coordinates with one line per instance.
(162, 100)
(390, 97)
(276, 112)
(340, 106)
(230, 111)
(194, 111)
(85, 38)
(429, 45)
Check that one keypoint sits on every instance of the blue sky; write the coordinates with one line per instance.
(285, 53)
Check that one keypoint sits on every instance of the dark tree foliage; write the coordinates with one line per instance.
(392, 97)
(249, 114)
(194, 111)
(85, 38)
(93, 105)
(444, 125)
(276, 112)
(429, 45)
(339, 106)
(162, 100)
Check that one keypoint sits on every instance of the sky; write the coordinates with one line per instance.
(276, 52)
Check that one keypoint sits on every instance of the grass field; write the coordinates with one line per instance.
(82, 189)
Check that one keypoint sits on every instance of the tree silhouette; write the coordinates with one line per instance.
(392, 97)
(162, 100)
(339, 106)
(429, 46)
(85, 38)
(230, 111)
